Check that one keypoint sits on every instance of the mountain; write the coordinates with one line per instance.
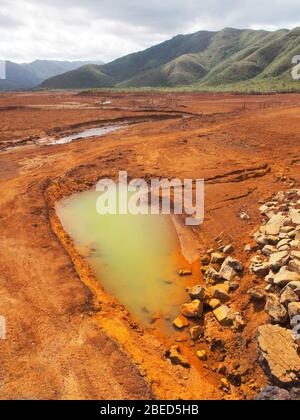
(29, 75)
(231, 57)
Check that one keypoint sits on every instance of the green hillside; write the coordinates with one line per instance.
(224, 60)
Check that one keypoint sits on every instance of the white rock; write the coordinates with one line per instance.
(278, 260)
(285, 277)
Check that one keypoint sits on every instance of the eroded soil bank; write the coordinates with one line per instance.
(61, 324)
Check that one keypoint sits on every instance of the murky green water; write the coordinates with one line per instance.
(134, 257)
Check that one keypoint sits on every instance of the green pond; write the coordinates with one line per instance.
(135, 257)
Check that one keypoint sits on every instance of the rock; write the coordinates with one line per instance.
(185, 272)
(202, 355)
(272, 229)
(257, 294)
(220, 292)
(233, 285)
(214, 304)
(295, 394)
(273, 240)
(278, 260)
(295, 244)
(228, 249)
(193, 309)
(181, 322)
(295, 216)
(235, 264)
(283, 242)
(294, 265)
(230, 269)
(287, 229)
(224, 315)
(261, 239)
(295, 286)
(270, 278)
(244, 216)
(273, 393)
(295, 255)
(278, 355)
(205, 260)
(222, 369)
(288, 296)
(217, 258)
(197, 293)
(275, 310)
(238, 322)
(212, 274)
(284, 248)
(176, 357)
(285, 277)
(260, 270)
(269, 250)
(294, 310)
(196, 333)
(225, 384)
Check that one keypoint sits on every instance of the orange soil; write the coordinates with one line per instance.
(66, 337)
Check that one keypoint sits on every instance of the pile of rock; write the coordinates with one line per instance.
(278, 263)
(278, 259)
(222, 274)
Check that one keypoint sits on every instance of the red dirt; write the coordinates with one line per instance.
(66, 337)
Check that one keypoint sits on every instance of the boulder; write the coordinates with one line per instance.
(278, 355)
(273, 393)
(294, 310)
(295, 216)
(196, 332)
(181, 322)
(176, 357)
(295, 286)
(295, 255)
(276, 310)
(217, 258)
(212, 274)
(235, 264)
(269, 250)
(197, 292)
(260, 270)
(288, 296)
(261, 239)
(285, 277)
(278, 260)
(295, 244)
(256, 293)
(219, 292)
(193, 309)
(202, 355)
(294, 265)
(214, 304)
(224, 315)
(230, 269)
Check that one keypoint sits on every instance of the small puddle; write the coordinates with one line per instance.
(134, 257)
(91, 132)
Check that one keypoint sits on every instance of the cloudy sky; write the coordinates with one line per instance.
(107, 29)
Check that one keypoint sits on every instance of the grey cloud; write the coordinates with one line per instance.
(107, 29)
